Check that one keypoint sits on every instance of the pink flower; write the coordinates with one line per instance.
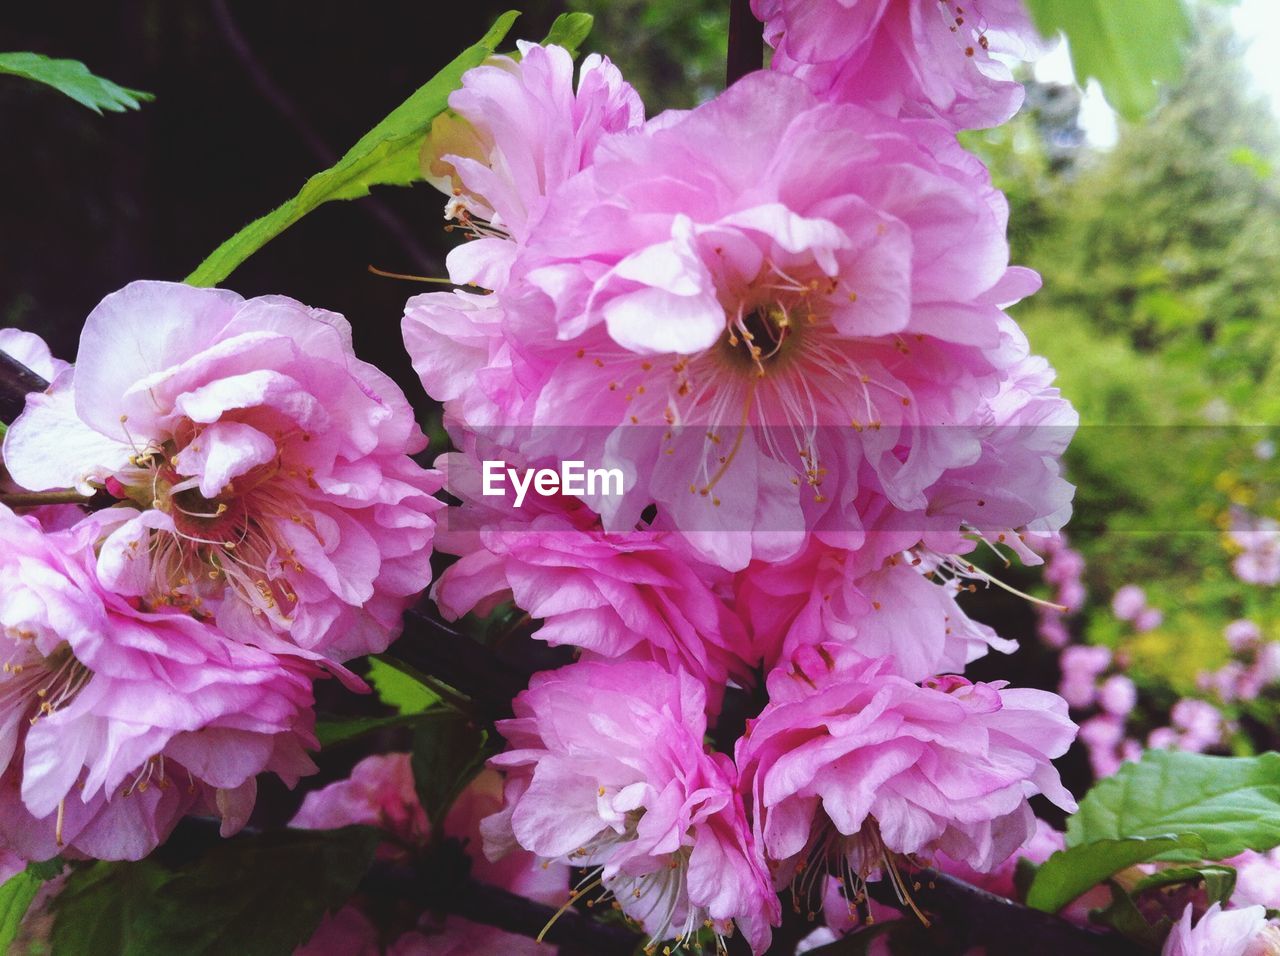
(263, 469)
(1258, 540)
(31, 350)
(906, 57)
(1257, 878)
(857, 765)
(1128, 602)
(606, 770)
(775, 315)
(516, 130)
(893, 611)
(1148, 619)
(1219, 932)
(1118, 695)
(115, 721)
(1081, 666)
(1200, 723)
(1242, 635)
(380, 792)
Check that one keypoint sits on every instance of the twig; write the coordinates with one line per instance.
(16, 382)
(746, 42)
(282, 104)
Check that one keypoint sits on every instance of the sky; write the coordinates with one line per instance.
(1256, 21)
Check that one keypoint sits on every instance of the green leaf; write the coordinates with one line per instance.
(1126, 45)
(570, 31)
(1122, 914)
(1219, 881)
(1231, 803)
(74, 79)
(399, 687)
(447, 752)
(15, 897)
(332, 732)
(1069, 873)
(260, 895)
(387, 155)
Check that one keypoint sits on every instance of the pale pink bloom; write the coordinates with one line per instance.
(775, 315)
(116, 721)
(892, 611)
(1081, 667)
(516, 129)
(380, 792)
(1118, 695)
(1128, 602)
(1242, 634)
(906, 57)
(1162, 738)
(1102, 736)
(1259, 542)
(1265, 670)
(1148, 619)
(1226, 681)
(31, 350)
(1257, 878)
(848, 761)
(638, 595)
(607, 771)
(263, 470)
(1219, 932)
(1200, 723)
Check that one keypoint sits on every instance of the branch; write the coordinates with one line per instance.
(985, 918)
(746, 42)
(16, 382)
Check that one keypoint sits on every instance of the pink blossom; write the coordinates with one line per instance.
(263, 470)
(517, 129)
(1128, 602)
(638, 595)
(1258, 540)
(852, 762)
(1257, 878)
(116, 721)
(1102, 736)
(1081, 666)
(1148, 619)
(606, 770)
(380, 792)
(1200, 723)
(1219, 932)
(31, 350)
(1118, 695)
(906, 57)
(1242, 635)
(1162, 738)
(892, 611)
(779, 315)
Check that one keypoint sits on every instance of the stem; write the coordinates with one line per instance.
(33, 499)
(987, 919)
(16, 382)
(746, 42)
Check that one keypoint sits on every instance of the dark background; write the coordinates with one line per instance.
(251, 99)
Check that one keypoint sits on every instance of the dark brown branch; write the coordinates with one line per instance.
(985, 918)
(16, 382)
(746, 42)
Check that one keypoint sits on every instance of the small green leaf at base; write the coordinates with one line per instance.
(447, 753)
(73, 78)
(570, 31)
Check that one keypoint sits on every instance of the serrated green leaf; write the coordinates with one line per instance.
(1219, 881)
(259, 895)
(1126, 45)
(387, 155)
(73, 78)
(1069, 873)
(332, 732)
(398, 687)
(448, 752)
(570, 31)
(1231, 803)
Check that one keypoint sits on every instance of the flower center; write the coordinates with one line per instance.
(757, 340)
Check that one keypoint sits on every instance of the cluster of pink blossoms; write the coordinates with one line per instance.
(264, 524)
(779, 318)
